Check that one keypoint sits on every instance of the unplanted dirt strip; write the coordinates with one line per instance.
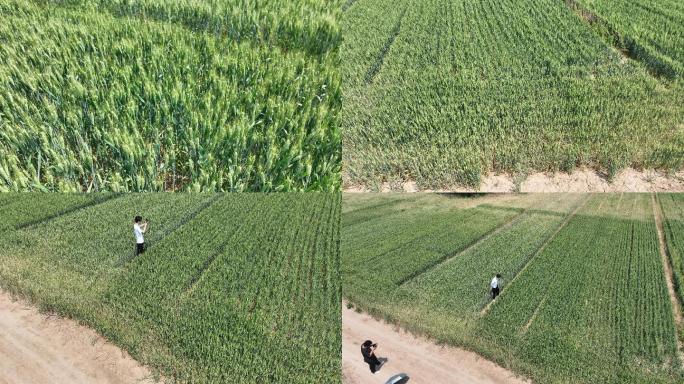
(667, 268)
(472, 245)
(41, 349)
(421, 359)
(539, 251)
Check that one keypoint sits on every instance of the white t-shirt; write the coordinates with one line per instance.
(139, 239)
(495, 282)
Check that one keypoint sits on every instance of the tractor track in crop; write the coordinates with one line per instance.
(667, 269)
(475, 243)
(627, 46)
(380, 60)
(562, 225)
(347, 4)
(67, 211)
(174, 227)
(186, 219)
(192, 282)
(384, 204)
(467, 214)
(534, 316)
(190, 285)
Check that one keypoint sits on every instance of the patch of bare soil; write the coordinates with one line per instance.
(583, 180)
(36, 348)
(419, 358)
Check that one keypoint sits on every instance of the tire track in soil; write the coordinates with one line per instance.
(667, 269)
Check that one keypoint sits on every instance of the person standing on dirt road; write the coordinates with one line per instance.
(495, 286)
(368, 352)
(139, 229)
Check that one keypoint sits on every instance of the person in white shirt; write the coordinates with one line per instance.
(495, 286)
(139, 229)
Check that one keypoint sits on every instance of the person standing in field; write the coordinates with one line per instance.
(495, 286)
(139, 229)
(368, 352)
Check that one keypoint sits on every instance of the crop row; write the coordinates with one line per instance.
(85, 247)
(290, 300)
(307, 26)
(381, 260)
(595, 298)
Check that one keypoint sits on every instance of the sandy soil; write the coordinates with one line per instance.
(37, 348)
(584, 180)
(422, 360)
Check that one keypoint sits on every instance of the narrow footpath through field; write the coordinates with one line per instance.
(422, 360)
(38, 348)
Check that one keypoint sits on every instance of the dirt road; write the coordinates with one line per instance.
(37, 348)
(420, 359)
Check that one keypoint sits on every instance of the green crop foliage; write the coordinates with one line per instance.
(673, 211)
(442, 93)
(22, 210)
(584, 296)
(229, 289)
(160, 95)
(649, 31)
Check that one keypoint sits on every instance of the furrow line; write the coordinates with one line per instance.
(534, 316)
(470, 246)
(380, 60)
(667, 270)
(94, 202)
(179, 224)
(562, 225)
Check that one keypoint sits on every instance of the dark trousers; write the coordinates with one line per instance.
(495, 292)
(373, 363)
(139, 248)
